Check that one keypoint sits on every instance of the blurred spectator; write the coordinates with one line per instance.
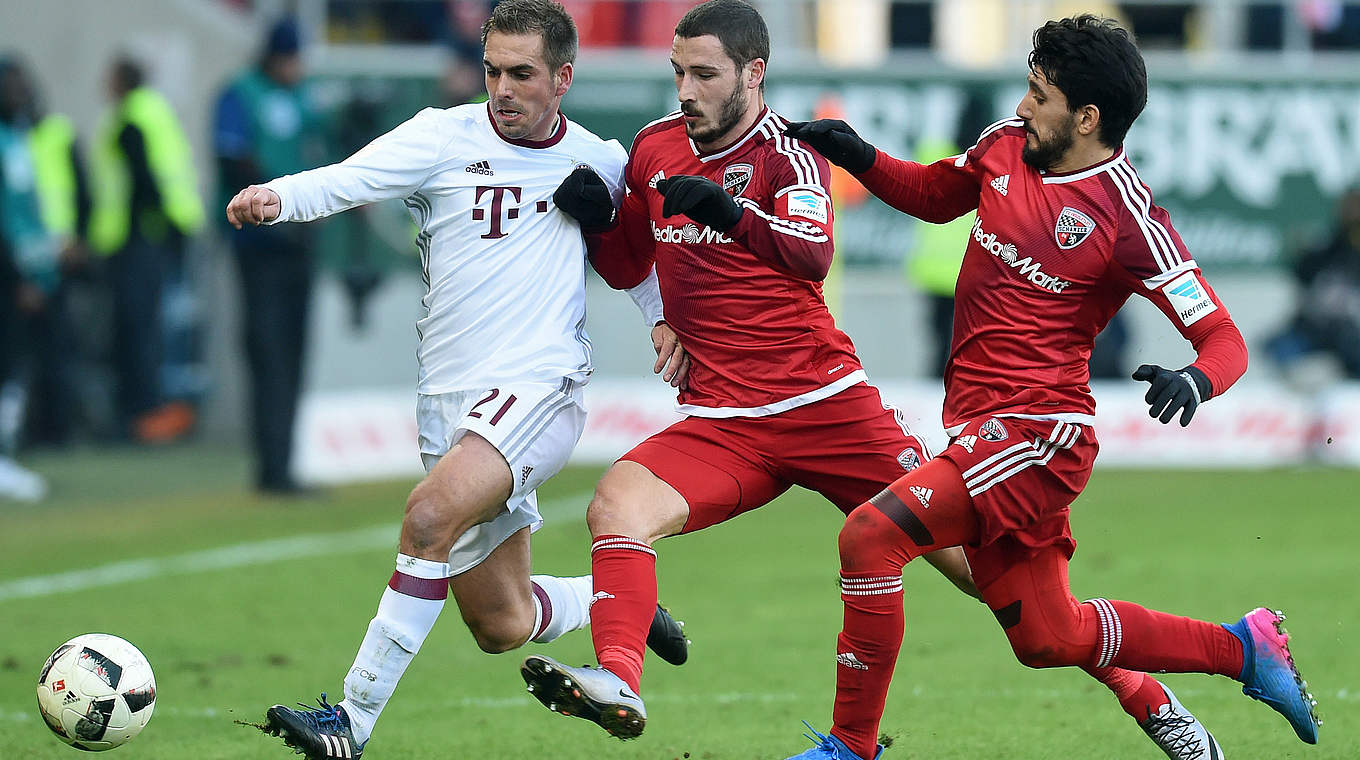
(1328, 317)
(267, 126)
(462, 80)
(64, 199)
(28, 270)
(146, 204)
(933, 266)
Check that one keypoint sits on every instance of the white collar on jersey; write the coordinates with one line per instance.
(766, 115)
(1090, 171)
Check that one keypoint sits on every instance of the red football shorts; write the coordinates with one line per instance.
(1022, 475)
(847, 448)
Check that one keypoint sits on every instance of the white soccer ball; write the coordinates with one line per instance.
(96, 692)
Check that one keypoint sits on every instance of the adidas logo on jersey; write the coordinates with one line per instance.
(1001, 183)
(967, 442)
(923, 495)
(480, 167)
(849, 660)
(655, 179)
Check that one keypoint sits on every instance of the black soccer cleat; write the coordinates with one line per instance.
(319, 734)
(666, 637)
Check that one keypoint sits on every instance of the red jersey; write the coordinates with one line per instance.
(1050, 259)
(747, 304)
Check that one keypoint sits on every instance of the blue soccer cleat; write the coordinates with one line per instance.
(1268, 671)
(319, 734)
(830, 748)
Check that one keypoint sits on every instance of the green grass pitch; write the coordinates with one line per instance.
(276, 618)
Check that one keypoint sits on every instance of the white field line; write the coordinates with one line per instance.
(560, 511)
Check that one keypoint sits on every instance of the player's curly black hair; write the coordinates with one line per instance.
(736, 24)
(1094, 61)
(546, 18)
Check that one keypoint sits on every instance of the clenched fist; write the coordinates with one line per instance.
(253, 205)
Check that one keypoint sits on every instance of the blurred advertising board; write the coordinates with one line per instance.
(1248, 165)
(370, 434)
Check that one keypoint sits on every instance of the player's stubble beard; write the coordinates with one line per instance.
(729, 115)
(1046, 155)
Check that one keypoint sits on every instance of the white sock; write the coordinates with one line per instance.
(567, 606)
(394, 636)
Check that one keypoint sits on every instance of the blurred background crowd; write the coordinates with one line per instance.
(132, 315)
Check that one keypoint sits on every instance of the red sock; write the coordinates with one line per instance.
(871, 636)
(1137, 638)
(624, 572)
(1139, 694)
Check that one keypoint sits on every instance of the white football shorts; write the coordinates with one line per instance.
(534, 426)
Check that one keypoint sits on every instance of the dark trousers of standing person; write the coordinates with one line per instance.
(941, 331)
(49, 345)
(136, 273)
(276, 284)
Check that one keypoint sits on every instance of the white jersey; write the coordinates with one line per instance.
(504, 268)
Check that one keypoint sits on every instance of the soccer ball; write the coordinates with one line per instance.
(96, 692)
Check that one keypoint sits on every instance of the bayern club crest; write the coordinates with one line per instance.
(992, 430)
(1072, 228)
(736, 177)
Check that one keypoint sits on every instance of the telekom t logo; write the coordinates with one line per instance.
(500, 209)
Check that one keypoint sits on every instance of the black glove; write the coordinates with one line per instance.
(1173, 391)
(583, 196)
(837, 141)
(702, 200)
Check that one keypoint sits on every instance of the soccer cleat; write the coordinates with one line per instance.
(666, 637)
(1268, 671)
(1179, 734)
(595, 694)
(319, 734)
(828, 747)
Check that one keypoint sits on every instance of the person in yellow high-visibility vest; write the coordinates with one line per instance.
(41, 210)
(146, 204)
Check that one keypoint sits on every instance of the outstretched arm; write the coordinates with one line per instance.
(394, 165)
(938, 192)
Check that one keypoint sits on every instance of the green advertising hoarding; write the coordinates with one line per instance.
(1249, 168)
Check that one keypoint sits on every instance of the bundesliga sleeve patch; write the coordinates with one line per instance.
(809, 204)
(1190, 298)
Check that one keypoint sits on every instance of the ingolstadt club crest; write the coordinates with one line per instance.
(736, 177)
(992, 430)
(1073, 227)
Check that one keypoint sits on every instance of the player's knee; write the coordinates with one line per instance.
(426, 524)
(609, 512)
(864, 540)
(498, 634)
(1043, 649)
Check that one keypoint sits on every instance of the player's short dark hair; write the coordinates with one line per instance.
(1094, 61)
(546, 18)
(736, 24)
